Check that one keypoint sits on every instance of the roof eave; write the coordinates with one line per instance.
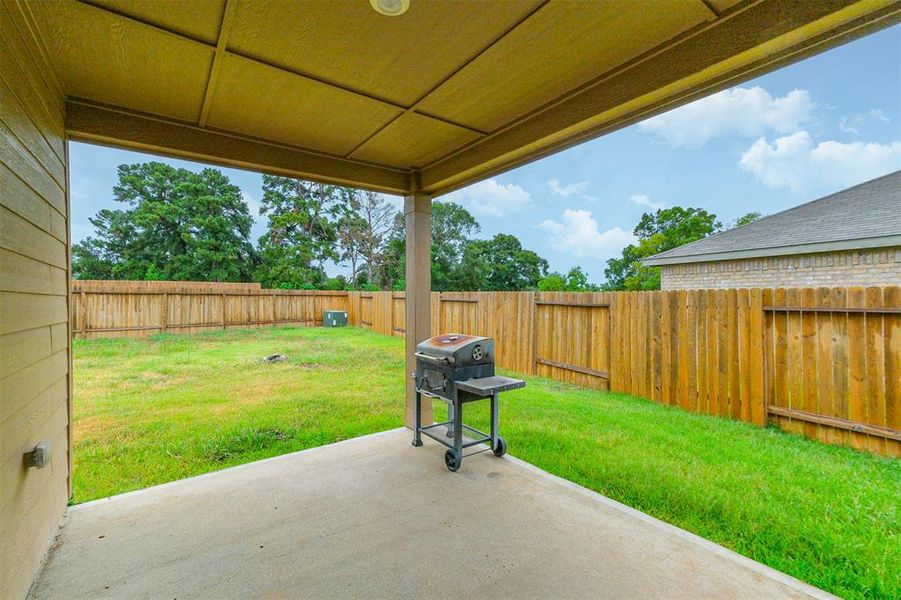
(833, 246)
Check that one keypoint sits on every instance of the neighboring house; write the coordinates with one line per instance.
(850, 238)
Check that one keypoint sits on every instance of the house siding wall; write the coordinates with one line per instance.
(34, 302)
(881, 266)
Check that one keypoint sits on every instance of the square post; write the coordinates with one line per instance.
(418, 213)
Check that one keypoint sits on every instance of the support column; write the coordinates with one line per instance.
(418, 213)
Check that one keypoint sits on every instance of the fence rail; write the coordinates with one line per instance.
(825, 362)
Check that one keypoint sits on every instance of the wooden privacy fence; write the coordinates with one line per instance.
(825, 363)
(137, 308)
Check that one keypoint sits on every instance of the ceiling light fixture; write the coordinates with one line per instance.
(391, 8)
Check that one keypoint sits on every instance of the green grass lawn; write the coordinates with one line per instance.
(157, 409)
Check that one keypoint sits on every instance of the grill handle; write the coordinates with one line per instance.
(445, 359)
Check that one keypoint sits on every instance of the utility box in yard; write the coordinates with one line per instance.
(334, 318)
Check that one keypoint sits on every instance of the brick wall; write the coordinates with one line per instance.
(881, 266)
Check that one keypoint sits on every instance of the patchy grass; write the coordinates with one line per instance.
(156, 409)
(162, 408)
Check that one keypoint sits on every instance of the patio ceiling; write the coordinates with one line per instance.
(442, 96)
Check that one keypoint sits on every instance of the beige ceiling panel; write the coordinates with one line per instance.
(269, 103)
(348, 43)
(105, 58)
(413, 141)
(562, 46)
(198, 19)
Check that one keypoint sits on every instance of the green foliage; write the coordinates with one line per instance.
(302, 233)
(657, 232)
(574, 281)
(498, 264)
(552, 282)
(460, 262)
(748, 218)
(179, 225)
(452, 229)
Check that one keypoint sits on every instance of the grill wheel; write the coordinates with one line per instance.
(501, 448)
(451, 461)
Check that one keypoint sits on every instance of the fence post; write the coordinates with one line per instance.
(274, 313)
(223, 311)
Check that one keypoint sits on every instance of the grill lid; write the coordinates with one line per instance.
(449, 345)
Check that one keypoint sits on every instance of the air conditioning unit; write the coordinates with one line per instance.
(334, 318)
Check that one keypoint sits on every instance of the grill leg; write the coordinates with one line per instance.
(450, 418)
(417, 420)
(495, 411)
(458, 429)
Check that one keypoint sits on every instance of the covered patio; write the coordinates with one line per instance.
(374, 517)
(419, 104)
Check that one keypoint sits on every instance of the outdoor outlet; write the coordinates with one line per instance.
(39, 457)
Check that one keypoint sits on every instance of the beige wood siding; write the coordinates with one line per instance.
(34, 329)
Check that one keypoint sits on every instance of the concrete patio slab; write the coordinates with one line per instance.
(374, 517)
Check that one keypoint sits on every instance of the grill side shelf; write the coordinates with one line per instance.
(488, 386)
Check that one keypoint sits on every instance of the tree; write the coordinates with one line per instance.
(362, 234)
(746, 219)
(452, 229)
(576, 280)
(302, 233)
(498, 264)
(350, 237)
(657, 232)
(106, 256)
(552, 282)
(391, 275)
(677, 225)
(179, 225)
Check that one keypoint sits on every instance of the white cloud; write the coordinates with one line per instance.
(492, 199)
(879, 115)
(793, 162)
(645, 200)
(579, 235)
(577, 188)
(742, 111)
(851, 124)
(252, 205)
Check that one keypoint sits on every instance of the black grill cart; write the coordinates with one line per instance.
(458, 369)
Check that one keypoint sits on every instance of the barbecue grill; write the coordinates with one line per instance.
(457, 369)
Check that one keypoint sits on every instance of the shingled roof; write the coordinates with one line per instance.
(867, 215)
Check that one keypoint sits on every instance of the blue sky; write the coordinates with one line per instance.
(799, 133)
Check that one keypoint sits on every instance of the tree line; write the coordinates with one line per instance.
(181, 225)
